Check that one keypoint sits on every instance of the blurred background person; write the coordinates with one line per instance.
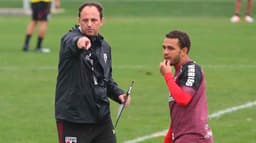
(236, 17)
(40, 12)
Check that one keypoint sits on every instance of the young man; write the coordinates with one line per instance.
(247, 18)
(187, 100)
(40, 11)
(85, 82)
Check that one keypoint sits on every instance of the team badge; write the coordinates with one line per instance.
(70, 139)
(105, 56)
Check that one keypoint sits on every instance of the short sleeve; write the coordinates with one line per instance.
(191, 76)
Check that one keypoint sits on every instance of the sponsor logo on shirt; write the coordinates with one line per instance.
(70, 139)
(191, 75)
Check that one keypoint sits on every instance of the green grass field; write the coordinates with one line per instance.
(135, 29)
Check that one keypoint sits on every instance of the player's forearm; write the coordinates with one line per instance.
(180, 96)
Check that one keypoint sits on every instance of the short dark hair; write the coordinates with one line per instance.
(183, 38)
(95, 4)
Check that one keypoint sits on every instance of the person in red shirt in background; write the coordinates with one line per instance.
(40, 15)
(187, 100)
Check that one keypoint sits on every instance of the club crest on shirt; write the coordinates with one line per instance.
(70, 139)
(105, 57)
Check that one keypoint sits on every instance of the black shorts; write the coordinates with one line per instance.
(86, 133)
(40, 11)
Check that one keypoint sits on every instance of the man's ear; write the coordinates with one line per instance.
(102, 21)
(184, 51)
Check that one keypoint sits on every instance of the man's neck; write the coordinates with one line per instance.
(181, 63)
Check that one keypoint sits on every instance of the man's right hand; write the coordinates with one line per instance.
(165, 67)
(83, 43)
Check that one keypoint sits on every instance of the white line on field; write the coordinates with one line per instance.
(211, 116)
(146, 67)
